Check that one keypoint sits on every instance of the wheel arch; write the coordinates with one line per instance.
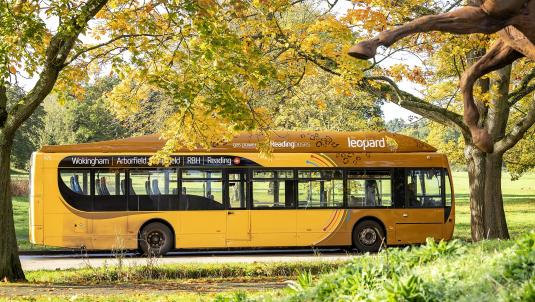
(160, 220)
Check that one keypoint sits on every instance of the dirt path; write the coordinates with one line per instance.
(156, 288)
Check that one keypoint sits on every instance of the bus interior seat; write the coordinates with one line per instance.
(97, 186)
(147, 188)
(411, 192)
(131, 187)
(74, 187)
(429, 202)
(155, 188)
(77, 184)
(370, 187)
(103, 187)
(355, 201)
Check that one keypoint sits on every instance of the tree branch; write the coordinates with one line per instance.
(85, 50)
(57, 52)
(523, 90)
(518, 131)
(414, 104)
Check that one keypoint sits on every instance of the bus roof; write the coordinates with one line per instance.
(281, 142)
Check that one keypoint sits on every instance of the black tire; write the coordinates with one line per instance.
(155, 239)
(368, 236)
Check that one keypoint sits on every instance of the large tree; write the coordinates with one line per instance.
(28, 48)
(504, 99)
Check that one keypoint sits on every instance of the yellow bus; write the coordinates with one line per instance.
(316, 189)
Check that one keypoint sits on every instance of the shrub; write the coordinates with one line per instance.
(521, 265)
(20, 187)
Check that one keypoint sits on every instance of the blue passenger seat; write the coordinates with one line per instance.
(155, 189)
(103, 186)
(147, 188)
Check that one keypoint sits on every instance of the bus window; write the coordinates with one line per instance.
(236, 190)
(150, 189)
(424, 188)
(320, 189)
(367, 188)
(202, 190)
(76, 180)
(273, 189)
(74, 186)
(448, 189)
(107, 188)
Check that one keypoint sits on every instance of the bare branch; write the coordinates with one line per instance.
(518, 131)
(409, 101)
(523, 89)
(453, 6)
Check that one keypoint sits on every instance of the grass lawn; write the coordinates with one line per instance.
(20, 214)
(519, 202)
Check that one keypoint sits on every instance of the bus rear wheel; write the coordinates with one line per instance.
(368, 236)
(156, 239)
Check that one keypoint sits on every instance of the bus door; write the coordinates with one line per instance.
(238, 216)
(273, 214)
(203, 218)
(423, 214)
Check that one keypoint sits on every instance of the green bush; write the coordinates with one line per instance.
(443, 271)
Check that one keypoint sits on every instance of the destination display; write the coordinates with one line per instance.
(144, 161)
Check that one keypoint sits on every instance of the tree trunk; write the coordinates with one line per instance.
(486, 202)
(10, 267)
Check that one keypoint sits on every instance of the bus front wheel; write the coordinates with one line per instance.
(368, 236)
(156, 239)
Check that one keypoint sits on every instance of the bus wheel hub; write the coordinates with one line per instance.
(368, 236)
(155, 239)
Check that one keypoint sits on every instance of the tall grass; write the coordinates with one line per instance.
(153, 271)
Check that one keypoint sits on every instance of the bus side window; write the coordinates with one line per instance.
(108, 193)
(74, 186)
(320, 188)
(424, 188)
(76, 180)
(368, 188)
(273, 189)
(153, 190)
(202, 190)
(447, 185)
